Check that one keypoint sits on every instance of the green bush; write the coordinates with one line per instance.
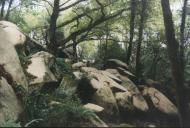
(10, 123)
(67, 110)
(61, 67)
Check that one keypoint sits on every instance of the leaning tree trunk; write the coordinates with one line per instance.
(9, 9)
(106, 45)
(182, 36)
(138, 55)
(132, 26)
(174, 56)
(75, 55)
(2, 9)
(52, 44)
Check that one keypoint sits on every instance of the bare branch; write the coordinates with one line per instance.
(48, 3)
(101, 7)
(71, 5)
(79, 16)
(64, 3)
(91, 26)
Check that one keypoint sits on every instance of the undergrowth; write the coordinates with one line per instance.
(57, 109)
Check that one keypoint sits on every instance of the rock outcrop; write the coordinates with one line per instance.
(105, 98)
(39, 68)
(78, 65)
(114, 90)
(10, 107)
(14, 35)
(10, 60)
(114, 63)
(160, 101)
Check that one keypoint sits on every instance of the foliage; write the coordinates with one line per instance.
(61, 67)
(10, 123)
(114, 51)
(57, 109)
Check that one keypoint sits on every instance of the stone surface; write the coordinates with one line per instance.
(10, 60)
(124, 100)
(10, 107)
(113, 77)
(114, 63)
(14, 34)
(77, 75)
(104, 78)
(96, 121)
(138, 100)
(94, 107)
(39, 67)
(78, 65)
(113, 71)
(125, 72)
(106, 81)
(160, 101)
(96, 84)
(88, 69)
(105, 98)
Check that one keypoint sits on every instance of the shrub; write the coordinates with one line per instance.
(67, 110)
(61, 67)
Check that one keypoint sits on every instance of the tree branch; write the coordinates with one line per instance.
(79, 16)
(101, 7)
(71, 5)
(48, 3)
(64, 3)
(91, 26)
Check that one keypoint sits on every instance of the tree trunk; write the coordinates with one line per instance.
(132, 25)
(141, 27)
(52, 30)
(75, 50)
(182, 37)
(8, 10)
(106, 45)
(2, 9)
(174, 56)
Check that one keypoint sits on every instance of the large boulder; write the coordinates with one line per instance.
(114, 63)
(10, 107)
(78, 75)
(10, 60)
(136, 97)
(121, 71)
(39, 68)
(105, 98)
(115, 78)
(88, 69)
(105, 78)
(124, 101)
(107, 81)
(160, 101)
(138, 100)
(78, 65)
(113, 71)
(127, 101)
(14, 35)
(126, 73)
